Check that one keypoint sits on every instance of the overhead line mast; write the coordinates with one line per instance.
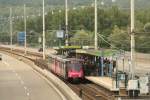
(25, 30)
(44, 29)
(66, 22)
(11, 27)
(132, 41)
(96, 41)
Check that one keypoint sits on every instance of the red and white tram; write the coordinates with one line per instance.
(67, 68)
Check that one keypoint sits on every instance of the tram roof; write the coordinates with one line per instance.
(75, 59)
(67, 47)
(60, 58)
(99, 53)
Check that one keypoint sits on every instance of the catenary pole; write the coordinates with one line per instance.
(132, 41)
(96, 42)
(66, 21)
(43, 29)
(25, 30)
(11, 27)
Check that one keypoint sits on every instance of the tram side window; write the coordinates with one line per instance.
(60, 65)
(51, 60)
(62, 71)
(56, 63)
(63, 68)
(67, 66)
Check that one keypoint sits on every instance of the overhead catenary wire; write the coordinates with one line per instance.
(101, 36)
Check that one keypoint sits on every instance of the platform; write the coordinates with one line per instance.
(105, 82)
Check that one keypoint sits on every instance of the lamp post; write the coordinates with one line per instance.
(132, 41)
(43, 29)
(66, 21)
(96, 42)
(25, 30)
(133, 84)
(11, 28)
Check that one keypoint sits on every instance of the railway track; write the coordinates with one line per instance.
(86, 90)
(91, 91)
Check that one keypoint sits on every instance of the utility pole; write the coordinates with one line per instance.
(11, 28)
(66, 21)
(43, 29)
(132, 41)
(133, 84)
(25, 30)
(96, 42)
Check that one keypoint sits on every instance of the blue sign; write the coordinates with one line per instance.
(21, 36)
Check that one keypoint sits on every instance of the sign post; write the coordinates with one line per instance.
(21, 38)
(60, 35)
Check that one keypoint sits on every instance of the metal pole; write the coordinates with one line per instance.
(25, 30)
(123, 64)
(96, 42)
(11, 28)
(44, 29)
(66, 21)
(132, 41)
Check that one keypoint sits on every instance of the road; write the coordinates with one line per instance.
(18, 81)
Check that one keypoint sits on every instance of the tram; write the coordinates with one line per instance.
(65, 65)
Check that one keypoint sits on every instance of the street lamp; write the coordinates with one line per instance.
(43, 29)
(132, 40)
(66, 21)
(96, 42)
(11, 28)
(25, 30)
(133, 84)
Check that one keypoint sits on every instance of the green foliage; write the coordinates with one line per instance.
(120, 38)
(147, 27)
(113, 24)
(120, 3)
(143, 43)
(82, 37)
(4, 38)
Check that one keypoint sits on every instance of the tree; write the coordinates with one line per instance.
(147, 27)
(82, 38)
(120, 38)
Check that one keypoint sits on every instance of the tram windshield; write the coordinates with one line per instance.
(75, 66)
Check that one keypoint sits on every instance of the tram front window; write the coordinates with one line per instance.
(75, 66)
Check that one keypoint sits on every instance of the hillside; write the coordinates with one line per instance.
(37, 4)
(121, 3)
